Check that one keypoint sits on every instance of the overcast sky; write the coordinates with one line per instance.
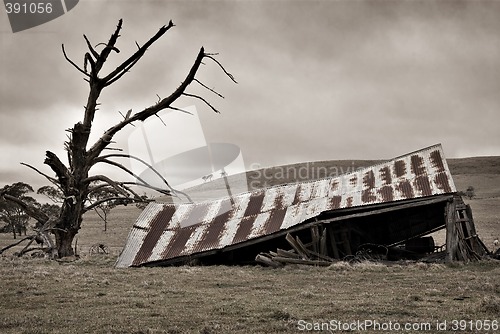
(317, 80)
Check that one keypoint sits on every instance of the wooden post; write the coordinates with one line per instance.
(451, 235)
(322, 243)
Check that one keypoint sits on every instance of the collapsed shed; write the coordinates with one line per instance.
(389, 204)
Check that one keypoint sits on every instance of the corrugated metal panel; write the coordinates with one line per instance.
(167, 231)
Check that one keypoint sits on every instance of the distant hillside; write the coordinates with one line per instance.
(462, 169)
(474, 165)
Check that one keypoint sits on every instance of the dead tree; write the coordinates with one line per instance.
(74, 179)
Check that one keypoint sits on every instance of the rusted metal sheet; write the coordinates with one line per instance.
(166, 231)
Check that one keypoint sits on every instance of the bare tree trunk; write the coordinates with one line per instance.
(64, 242)
(73, 180)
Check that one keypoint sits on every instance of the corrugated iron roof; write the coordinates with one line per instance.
(166, 231)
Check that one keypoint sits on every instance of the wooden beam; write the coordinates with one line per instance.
(267, 261)
(451, 236)
(296, 246)
(302, 261)
(322, 243)
(284, 253)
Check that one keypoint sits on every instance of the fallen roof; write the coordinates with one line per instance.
(164, 232)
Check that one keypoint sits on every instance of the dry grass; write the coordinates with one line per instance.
(90, 296)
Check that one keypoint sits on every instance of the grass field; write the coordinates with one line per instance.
(90, 296)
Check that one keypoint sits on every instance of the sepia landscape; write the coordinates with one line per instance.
(108, 106)
(89, 295)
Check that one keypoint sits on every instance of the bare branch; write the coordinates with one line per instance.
(88, 59)
(107, 180)
(132, 60)
(29, 209)
(92, 50)
(105, 157)
(59, 168)
(206, 102)
(124, 199)
(97, 148)
(72, 63)
(210, 89)
(110, 46)
(143, 183)
(181, 110)
(51, 179)
(125, 70)
(16, 243)
(160, 119)
(208, 55)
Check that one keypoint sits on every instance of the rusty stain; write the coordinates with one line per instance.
(278, 201)
(158, 225)
(354, 180)
(406, 189)
(399, 168)
(437, 161)
(387, 193)
(369, 183)
(244, 229)
(275, 221)
(335, 202)
(385, 175)
(213, 234)
(369, 180)
(442, 182)
(255, 203)
(177, 243)
(296, 199)
(334, 186)
(423, 185)
(165, 232)
(417, 165)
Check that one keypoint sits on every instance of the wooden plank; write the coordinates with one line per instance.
(284, 253)
(315, 238)
(296, 246)
(322, 257)
(322, 243)
(302, 246)
(451, 237)
(302, 261)
(261, 258)
(462, 245)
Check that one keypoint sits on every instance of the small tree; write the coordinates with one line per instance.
(470, 192)
(13, 214)
(104, 199)
(74, 178)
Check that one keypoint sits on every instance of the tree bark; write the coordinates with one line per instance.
(64, 242)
